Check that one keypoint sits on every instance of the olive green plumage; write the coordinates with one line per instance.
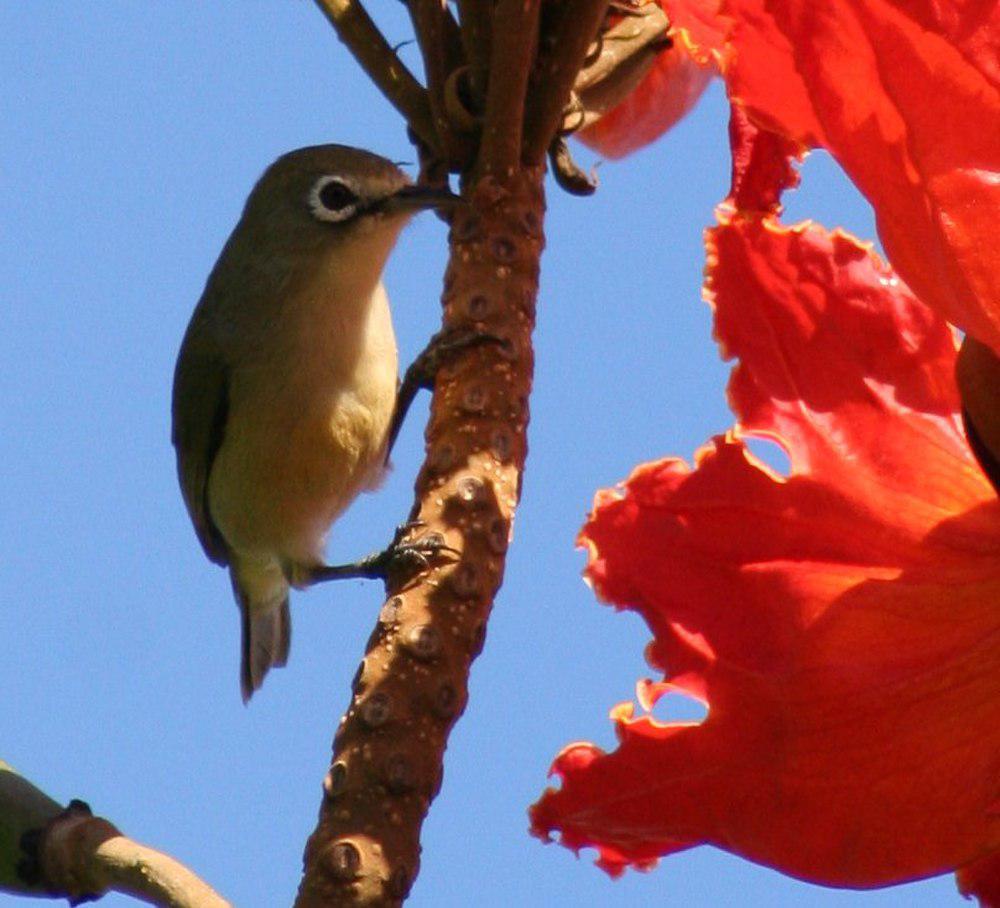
(286, 378)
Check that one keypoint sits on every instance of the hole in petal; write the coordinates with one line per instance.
(770, 453)
(677, 707)
(827, 196)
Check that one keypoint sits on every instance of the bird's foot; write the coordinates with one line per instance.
(399, 562)
(442, 348)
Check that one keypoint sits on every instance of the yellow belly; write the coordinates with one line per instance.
(275, 489)
(304, 436)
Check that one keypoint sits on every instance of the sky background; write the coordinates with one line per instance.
(131, 134)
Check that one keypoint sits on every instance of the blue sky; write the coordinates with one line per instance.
(132, 134)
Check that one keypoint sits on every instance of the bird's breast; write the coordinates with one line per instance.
(308, 425)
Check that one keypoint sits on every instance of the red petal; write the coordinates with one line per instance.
(762, 165)
(981, 880)
(701, 25)
(842, 623)
(905, 95)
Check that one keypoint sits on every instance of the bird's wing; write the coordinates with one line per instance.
(200, 409)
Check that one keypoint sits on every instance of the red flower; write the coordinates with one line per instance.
(842, 624)
(904, 93)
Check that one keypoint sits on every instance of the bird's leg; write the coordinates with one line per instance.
(443, 347)
(398, 561)
(402, 560)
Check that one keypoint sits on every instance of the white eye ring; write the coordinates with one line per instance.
(324, 208)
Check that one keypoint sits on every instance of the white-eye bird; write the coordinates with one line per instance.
(286, 379)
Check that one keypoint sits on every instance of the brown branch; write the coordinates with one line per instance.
(73, 854)
(441, 49)
(412, 684)
(476, 19)
(515, 40)
(379, 61)
(560, 59)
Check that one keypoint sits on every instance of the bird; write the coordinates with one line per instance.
(285, 384)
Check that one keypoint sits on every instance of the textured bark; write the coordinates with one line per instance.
(412, 684)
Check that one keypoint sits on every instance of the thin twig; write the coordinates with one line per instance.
(515, 40)
(559, 62)
(135, 869)
(46, 851)
(628, 51)
(437, 36)
(379, 61)
(476, 18)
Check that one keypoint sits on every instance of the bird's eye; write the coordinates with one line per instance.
(333, 199)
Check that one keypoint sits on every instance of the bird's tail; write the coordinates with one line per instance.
(267, 632)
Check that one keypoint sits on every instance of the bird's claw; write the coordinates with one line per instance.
(443, 347)
(401, 561)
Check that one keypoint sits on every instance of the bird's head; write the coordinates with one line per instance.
(332, 196)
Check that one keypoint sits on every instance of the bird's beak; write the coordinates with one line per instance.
(417, 198)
